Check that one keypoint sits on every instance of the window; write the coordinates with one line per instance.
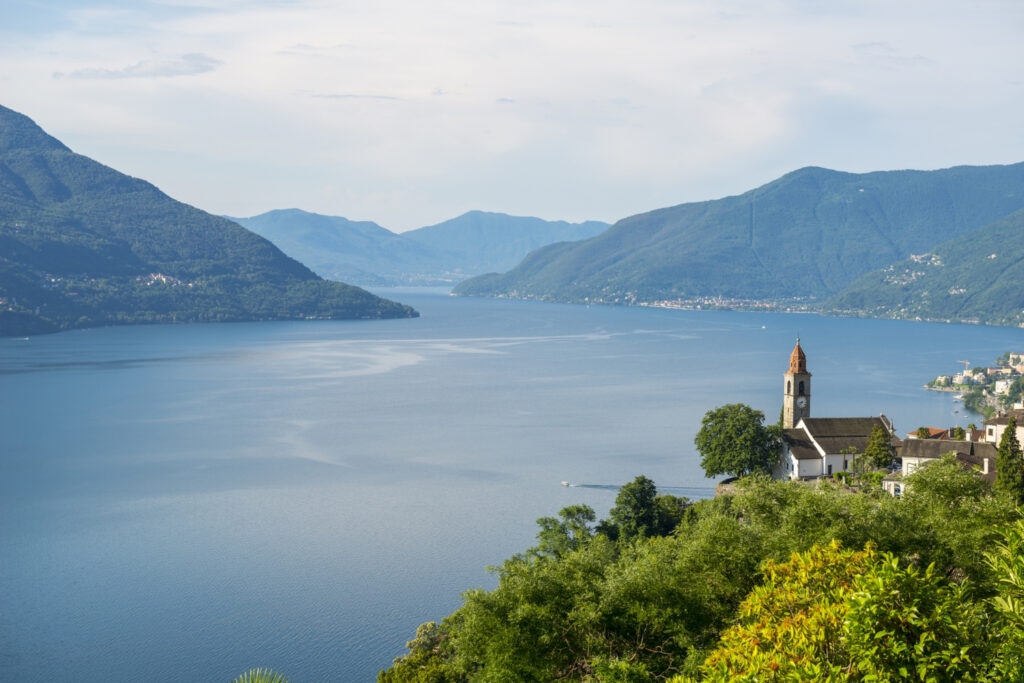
(801, 388)
(789, 387)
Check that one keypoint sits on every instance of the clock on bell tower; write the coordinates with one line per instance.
(796, 402)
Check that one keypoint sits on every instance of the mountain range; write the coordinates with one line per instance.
(805, 236)
(365, 253)
(84, 245)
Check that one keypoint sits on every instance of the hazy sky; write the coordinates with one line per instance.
(410, 112)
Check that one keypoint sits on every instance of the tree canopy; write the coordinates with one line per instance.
(588, 608)
(733, 440)
(1010, 464)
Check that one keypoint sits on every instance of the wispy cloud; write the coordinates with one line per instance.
(353, 96)
(188, 65)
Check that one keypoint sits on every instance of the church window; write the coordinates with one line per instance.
(789, 387)
(801, 388)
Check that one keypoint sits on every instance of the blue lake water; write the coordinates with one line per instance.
(187, 502)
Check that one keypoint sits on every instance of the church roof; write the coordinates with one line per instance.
(837, 434)
(798, 359)
(799, 445)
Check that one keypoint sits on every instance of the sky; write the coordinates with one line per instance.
(410, 112)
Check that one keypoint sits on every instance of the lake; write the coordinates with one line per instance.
(186, 502)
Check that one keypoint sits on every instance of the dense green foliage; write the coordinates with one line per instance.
(807, 234)
(831, 614)
(582, 606)
(83, 245)
(1010, 464)
(364, 252)
(733, 440)
(974, 278)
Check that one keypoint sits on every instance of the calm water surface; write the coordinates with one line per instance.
(186, 502)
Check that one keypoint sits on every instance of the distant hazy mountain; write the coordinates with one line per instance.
(340, 249)
(485, 242)
(84, 245)
(365, 253)
(807, 234)
(978, 277)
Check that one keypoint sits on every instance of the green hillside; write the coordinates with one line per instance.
(974, 278)
(83, 245)
(805, 235)
(364, 252)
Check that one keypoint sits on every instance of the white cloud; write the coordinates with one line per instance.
(388, 110)
(187, 65)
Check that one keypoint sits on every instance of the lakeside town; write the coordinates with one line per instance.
(987, 390)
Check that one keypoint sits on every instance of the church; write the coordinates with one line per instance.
(817, 446)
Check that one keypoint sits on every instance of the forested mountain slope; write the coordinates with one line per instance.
(806, 234)
(82, 245)
(978, 277)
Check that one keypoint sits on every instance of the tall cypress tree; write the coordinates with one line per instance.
(879, 452)
(1010, 464)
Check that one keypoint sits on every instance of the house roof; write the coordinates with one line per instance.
(933, 433)
(1005, 418)
(933, 448)
(799, 445)
(977, 462)
(986, 450)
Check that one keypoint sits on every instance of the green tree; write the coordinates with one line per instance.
(790, 626)
(1007, 563)
(1010, 464)
(923, 432)
(959, 434)
(904, 624)
(641, 512)
(733, 440)
(831, 614)
(879, 452)
(568, 532)
(427, 661)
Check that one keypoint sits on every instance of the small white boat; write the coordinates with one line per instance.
(565, 483)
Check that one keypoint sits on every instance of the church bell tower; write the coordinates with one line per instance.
(796, 402)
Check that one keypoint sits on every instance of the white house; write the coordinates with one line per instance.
(995, 426)
(916, 453)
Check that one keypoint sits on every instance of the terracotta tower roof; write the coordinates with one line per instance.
(797, 359)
